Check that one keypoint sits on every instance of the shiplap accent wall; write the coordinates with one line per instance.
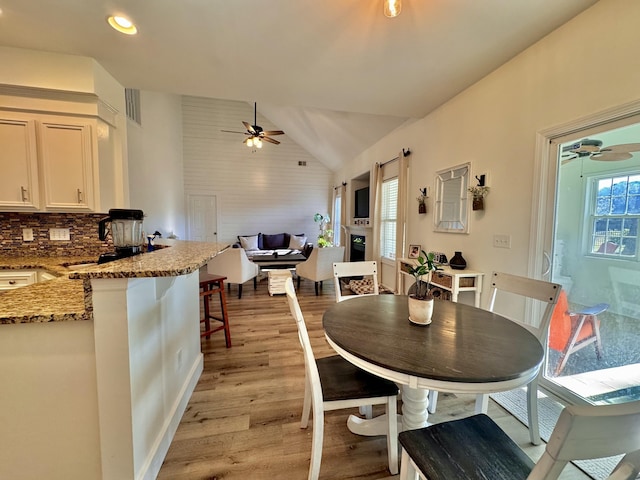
(264, 191)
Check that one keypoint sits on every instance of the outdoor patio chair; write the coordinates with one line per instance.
(570, 331)
(475, 447)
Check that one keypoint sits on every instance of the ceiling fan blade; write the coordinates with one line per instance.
(274, 132)
(611, 156)
(232, 131)
(249, 128)
(624, 147)
(270, 140)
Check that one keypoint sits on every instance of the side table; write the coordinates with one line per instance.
(277, 278)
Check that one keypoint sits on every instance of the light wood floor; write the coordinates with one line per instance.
(242, 421)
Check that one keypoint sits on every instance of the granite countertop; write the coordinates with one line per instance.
(66, 299)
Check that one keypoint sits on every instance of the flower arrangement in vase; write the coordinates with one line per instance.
(478, 192)
(422, 200)
(421, 302)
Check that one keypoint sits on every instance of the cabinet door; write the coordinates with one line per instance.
(19, 165)
(10, 280)
(67, 163)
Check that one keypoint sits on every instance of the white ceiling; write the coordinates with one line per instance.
(335, 75)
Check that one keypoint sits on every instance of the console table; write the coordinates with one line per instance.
(447, 279)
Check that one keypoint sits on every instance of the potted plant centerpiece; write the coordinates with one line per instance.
(325, 235)
(421, 302)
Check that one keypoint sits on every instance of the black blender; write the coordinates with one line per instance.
(126, 233)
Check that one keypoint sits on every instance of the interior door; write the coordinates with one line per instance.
(202, 218)
(589, 222)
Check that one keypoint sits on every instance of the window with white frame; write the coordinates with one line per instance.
(337, 232)
(614, 215)
(388, 218)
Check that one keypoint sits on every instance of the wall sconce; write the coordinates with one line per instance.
(392, 8)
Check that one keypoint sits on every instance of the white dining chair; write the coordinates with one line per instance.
(475, 447)
(332, 383)
(545, 292)
(369, 270)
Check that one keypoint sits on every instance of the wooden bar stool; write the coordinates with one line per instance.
(210, 285)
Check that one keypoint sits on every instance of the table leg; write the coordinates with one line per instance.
(414, 407)
(414, 415)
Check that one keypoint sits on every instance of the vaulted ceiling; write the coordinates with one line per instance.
(335, 75)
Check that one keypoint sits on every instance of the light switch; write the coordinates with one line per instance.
(27, 234)
(502, 241)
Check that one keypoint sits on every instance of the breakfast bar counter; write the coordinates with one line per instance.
(99, 363)
(67, 299)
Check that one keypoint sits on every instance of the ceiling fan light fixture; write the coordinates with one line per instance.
(249, 142)
(392, 8)
(122, 24)
(257, 142)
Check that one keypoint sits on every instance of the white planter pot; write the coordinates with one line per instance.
(420, 311)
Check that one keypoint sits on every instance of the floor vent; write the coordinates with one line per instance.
(132, 99)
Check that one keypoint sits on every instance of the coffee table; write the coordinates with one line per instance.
(276, 260)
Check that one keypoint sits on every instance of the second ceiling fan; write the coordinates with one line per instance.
(255, 134)
(593, 149)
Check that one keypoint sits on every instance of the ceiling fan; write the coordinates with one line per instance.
(255, 134)
(593, 149)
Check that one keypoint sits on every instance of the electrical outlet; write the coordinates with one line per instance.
(27, 234)
(59, 234)
(502, 241)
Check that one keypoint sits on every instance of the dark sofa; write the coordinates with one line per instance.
(265, 241)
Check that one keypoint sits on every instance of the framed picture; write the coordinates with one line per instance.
(414, 251)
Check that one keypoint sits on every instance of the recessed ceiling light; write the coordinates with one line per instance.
(122, 24)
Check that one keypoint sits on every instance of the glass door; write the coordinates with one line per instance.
(593, 352)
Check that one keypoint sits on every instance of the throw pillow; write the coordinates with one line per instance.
(249, 243)
(271, 242)
(297, 242)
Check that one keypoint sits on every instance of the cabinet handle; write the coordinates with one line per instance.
(25, 193)
(12, 282)
(79, 196)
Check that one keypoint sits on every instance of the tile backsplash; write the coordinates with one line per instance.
(83, 234)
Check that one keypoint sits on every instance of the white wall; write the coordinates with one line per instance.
(493, 125)
(155, 164)
(266, 191)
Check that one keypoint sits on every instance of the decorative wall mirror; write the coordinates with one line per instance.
(452, 209)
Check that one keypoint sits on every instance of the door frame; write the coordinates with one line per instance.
(544, 197)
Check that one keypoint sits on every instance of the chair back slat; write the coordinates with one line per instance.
(354, 269)
(546, 292)
(590, 432)
(596, 431)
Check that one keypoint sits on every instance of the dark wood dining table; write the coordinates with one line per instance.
(464, 350)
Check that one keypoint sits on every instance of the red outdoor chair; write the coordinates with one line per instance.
(570, 331)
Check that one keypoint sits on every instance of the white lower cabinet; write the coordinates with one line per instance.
(10, 280)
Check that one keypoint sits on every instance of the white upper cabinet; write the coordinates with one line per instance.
(19, 188)
(49, 163)
(66, 156)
